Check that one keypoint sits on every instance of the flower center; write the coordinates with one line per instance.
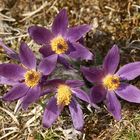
(111, 82)
(32, 78)
(59, 45)
(64, 95)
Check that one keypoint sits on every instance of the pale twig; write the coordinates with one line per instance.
(18, 106)
(3, 33)
(32, 112)
(6, 18)
(14, 137)
(14, 37)
(110, 8)
(30, 14)
(6, 135)
(38, 114)
(130, 45)
(9, 128)
(11, 115)
(137, 6)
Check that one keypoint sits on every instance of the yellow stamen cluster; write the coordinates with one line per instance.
(64, 95)
(59, 45)
(32, 78)
(111, 82)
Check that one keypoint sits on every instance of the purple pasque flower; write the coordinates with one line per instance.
(109, 84)
(25, 78)
(65, 95)
(61, 40)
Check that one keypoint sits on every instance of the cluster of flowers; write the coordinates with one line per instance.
(30, 78)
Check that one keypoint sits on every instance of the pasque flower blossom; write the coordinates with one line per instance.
(65, 93)
(61, 40)
(25, 78)
(109, 84)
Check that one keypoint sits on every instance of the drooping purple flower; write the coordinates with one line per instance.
(11, 53)
(25, 78)
(61, 40)
(109, 84)
(65, 95)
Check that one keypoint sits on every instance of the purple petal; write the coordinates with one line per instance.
(74, 83)
(98, 94)
(51, 113)
(6, 81)
(46, 91)
(81, 41)
(113, 105)
(51, 86)
(48, 64)
(27, 57)
(12, 54)
(46, 51)
(81, 94)
(54, 82)
(11, 71)
(32, 95)
(84, 96)
(111, 60)
(129, 71)
(71, 48)
(81, 52)
(76, 114)
(129, 93)
(75, 33)
(40, 35)
(60, 23)
(92, 74)
(18, 91)
(63, 61)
